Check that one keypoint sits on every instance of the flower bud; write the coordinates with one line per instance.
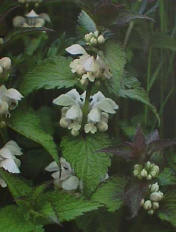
(101, 39)
(75, 132)
(147, 205)
(148, 165)
(3, 107)
(142, 202)
(93, 41)
(156, 196)
(144, 173)
(135, 172)
(88, 37)
(5, 62)
(96, 33)
(153, 173)
(64, 123)
(102, 126)
(155, 205)
(138, 166)
(149, 177)
(154, 187)
(151, 212)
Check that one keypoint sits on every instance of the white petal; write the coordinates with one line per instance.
(64, 100)
(96, 98)
(52, 167)
(56, 175)
(71, 183)
(3, 91)
(2, 183)
(107, 105)
(14, 148)
(76, 49)
(74, 113)
(6, 153)
(90, 65)
(32, 14)
(94, 115)
(14, 94)
(74, 95)
(9, 165)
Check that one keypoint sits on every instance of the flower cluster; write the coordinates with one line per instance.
(8, 100)
(8, 159)
(27, 2)
(155, 197)
(94, 38)
(147, 171)
(98, 113)
(32, 19)
(5, 65)
(90, 68)
(64, 175)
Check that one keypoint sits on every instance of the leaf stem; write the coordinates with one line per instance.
(129, 30)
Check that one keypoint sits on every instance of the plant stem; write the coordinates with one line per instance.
(129, 30)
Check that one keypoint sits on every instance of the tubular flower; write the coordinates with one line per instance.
(32, 19)
(64, 175)
(100, 108)
(8, 159)
(155, 196)
(90, 68)
(71, 113)
(8, 99)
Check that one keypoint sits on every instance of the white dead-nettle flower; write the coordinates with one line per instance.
(8, 159)
(94, 38)
(64, 175)
(5, 65)
(88, 67)
(8, 99)
(32, 19)
(100, 108)
(71, 116)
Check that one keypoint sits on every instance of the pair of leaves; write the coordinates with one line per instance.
(89, 165)
(27, 122)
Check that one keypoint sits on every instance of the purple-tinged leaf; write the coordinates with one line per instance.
(160, 145)
(153, 136)
(126, 154)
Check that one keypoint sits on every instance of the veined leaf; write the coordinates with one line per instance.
(111, 193)
(65, 206)
(12, 220)
(27, 122)
(167, 211)
(89, 165)
(130, 88)
(86, 22)
(52, 73)
(17, 185)
(116, 59)
(167, 177)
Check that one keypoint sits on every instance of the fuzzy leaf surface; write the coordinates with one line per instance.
(51, 73)
(111, 194)
(89, 165)
(27, 122)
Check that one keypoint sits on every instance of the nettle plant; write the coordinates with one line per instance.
(82, 87)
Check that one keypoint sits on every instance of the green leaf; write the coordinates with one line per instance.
(167, 211)
(111, 193)
(89, 165)
(12, 220)
(99, 221)
(163, 41)
(86, 22)
(167, 177)
(17, 185)
(51, 73)
(130, 88)
(62, 206)
(116, 59)
(27, 122)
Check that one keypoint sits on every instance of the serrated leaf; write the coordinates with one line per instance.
(27, 122)
(167, 177)
(89, 165)
(65, 206)
(111, 193)
(99, 221)
(116, 59)
(17, 185)
(131, 89)
(167, 211)
(51, 73)
(86, 22)
(12, 220)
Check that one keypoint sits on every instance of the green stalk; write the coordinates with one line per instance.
(129, 30)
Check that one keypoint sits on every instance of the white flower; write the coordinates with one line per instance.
(155, 205)
(144, 173)
(154, 187)
(3, 183)
(147, 205)
(8, 99)
(5, 63)
(99, 104)
(90, 128)
(8, 159)
(64, 175)
(156, 196)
